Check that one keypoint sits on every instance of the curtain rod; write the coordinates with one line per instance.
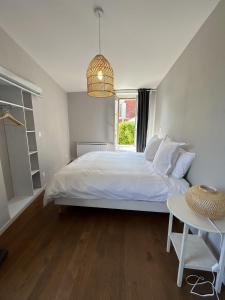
(132, 90)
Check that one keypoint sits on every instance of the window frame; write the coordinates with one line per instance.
(116, 129)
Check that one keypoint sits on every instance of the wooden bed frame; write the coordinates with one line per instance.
(138, 205)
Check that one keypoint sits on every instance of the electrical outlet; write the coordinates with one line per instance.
(39, 134)
(43, 174)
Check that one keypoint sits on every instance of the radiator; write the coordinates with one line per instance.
(85, 147)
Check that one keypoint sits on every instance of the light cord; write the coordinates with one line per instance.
(99, 32)
(200, 280)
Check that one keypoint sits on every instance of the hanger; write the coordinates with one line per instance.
(7, 115)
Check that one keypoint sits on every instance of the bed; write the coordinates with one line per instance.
(118, 180)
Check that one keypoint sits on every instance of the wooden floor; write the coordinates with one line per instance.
(89, 254)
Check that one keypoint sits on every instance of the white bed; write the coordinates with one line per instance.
(120, 180)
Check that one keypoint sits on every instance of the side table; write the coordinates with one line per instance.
(191, 249)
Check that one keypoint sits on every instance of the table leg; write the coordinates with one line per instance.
(169, 232)
(182, 254)
(221, 271)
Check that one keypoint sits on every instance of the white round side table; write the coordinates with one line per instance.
(191, 249)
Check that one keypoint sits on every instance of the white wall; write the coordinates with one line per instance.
(50, 111)
(191, 101)
(90, 119)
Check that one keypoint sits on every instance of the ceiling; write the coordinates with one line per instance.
(142, 39)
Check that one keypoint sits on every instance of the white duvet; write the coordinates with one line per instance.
(113, 175)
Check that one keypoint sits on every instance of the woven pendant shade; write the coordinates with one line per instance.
(206, 201)
(100, 78)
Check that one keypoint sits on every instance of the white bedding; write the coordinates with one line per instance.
(114, 176)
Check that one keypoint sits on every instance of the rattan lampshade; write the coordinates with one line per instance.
(100, 78)
(206, 201)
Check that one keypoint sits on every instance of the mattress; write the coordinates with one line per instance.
(114, 176)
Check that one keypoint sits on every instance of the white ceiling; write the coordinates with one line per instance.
(141, 38)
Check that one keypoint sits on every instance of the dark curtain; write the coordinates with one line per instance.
(142, 119)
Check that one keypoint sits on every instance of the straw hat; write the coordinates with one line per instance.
(206, 201)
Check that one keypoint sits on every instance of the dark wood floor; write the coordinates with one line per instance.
(88, 254)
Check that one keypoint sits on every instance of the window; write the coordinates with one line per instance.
(125, 129)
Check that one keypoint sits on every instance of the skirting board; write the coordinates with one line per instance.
(151, 206)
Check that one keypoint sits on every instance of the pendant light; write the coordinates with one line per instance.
(99, 72)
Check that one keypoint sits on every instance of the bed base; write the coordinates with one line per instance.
(151, 206)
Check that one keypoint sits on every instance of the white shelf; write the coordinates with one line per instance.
(30, 131)
(27, 108)
(32, 152)
(18, 204)
(197, 254)
(33, 172)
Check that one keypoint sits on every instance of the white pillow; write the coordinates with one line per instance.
(166, 157)
(152, 147)
(183, 163)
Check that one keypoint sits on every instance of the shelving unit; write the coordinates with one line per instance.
(22, 175)
(31, 139)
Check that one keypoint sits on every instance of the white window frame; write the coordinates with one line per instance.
(133, 95)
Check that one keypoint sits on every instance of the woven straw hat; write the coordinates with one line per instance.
(206, 201)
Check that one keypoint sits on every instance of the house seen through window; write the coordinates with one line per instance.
(126, 123)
